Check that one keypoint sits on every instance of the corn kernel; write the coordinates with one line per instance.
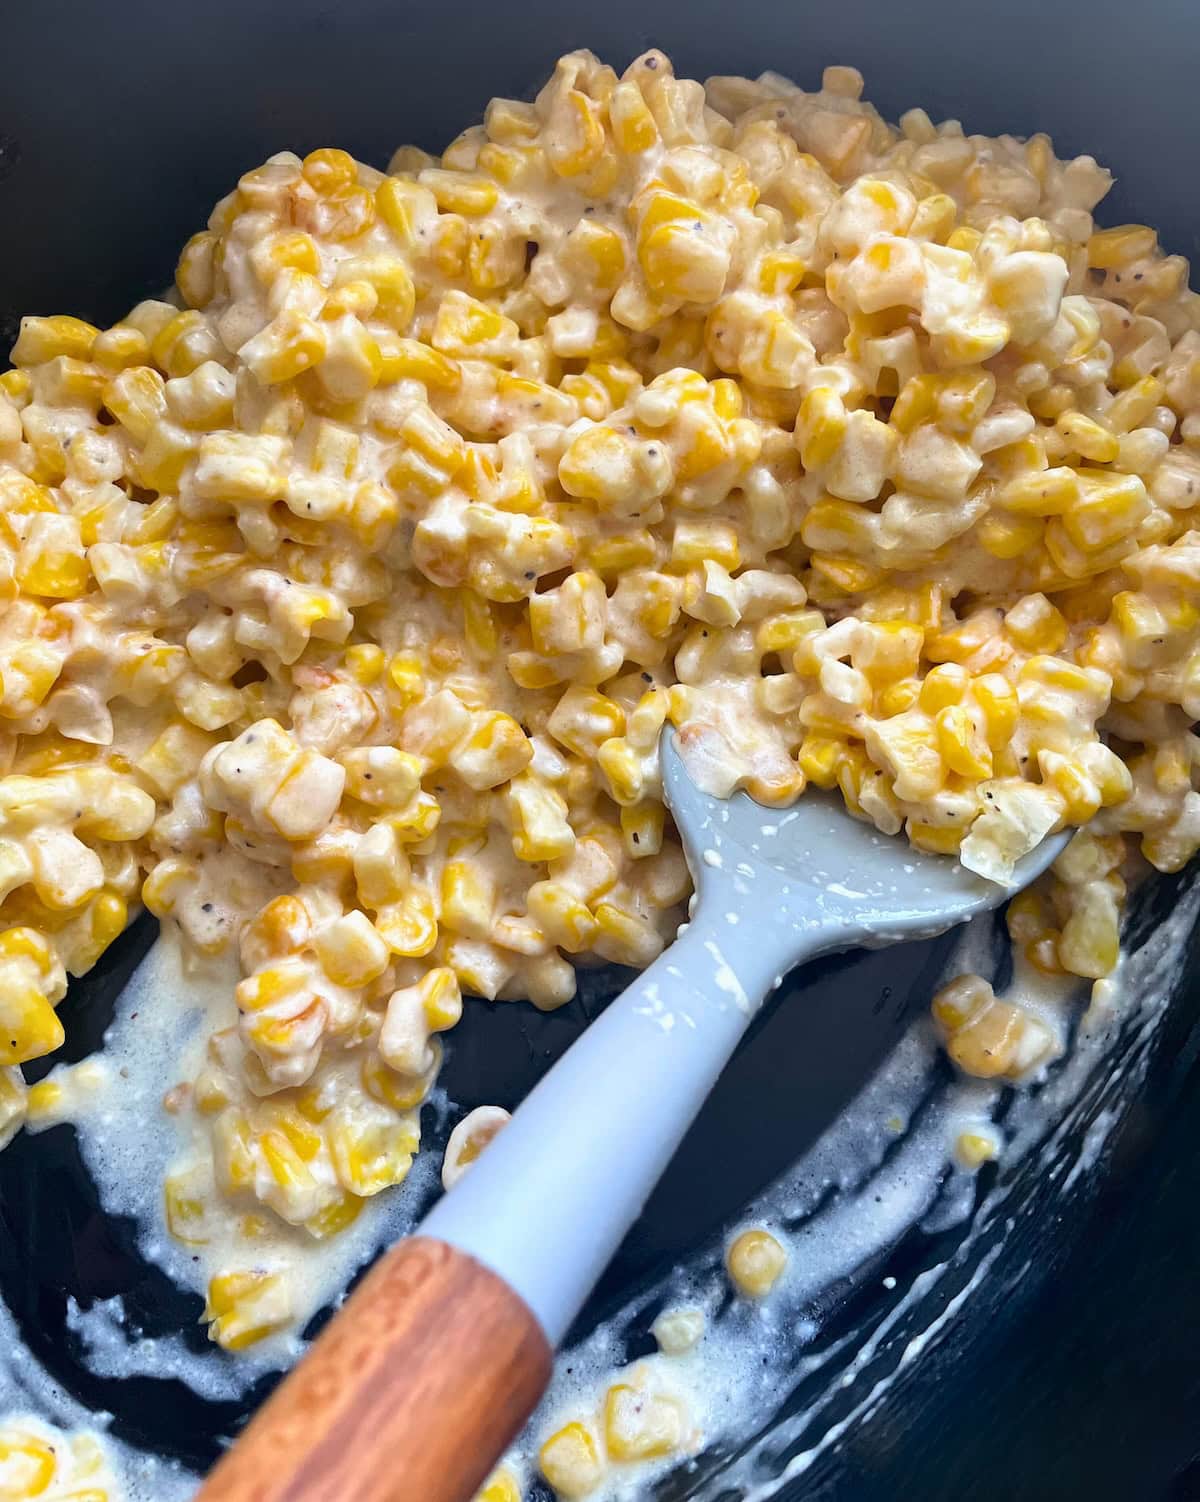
(570, 1461)
(755, 1261)
(640, 1425)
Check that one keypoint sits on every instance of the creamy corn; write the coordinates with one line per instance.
(637, 1419)
(37, 1460)
(344, 595)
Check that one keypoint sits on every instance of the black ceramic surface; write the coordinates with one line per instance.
(119, 126)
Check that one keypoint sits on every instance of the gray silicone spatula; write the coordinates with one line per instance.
(550, 1200)
(427, 1373)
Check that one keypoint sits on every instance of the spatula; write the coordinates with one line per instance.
(424, 1377)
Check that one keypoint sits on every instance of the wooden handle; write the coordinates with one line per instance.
(410, 1394)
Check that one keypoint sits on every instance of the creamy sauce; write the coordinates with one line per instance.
(158, 1037)
(884, 1166)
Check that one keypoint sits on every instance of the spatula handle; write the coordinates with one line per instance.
(409, 1395)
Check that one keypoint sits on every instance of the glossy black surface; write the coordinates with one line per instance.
(119, 126)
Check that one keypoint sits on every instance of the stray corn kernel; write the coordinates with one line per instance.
(755, 1260)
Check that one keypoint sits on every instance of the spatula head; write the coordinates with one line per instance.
(815, 866)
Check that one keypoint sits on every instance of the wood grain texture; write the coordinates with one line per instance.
(410, 1393)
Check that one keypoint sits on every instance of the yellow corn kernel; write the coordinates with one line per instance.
(959, 1000)
(351, 951)
(245, 1307)
(784, 633)
(1116, 248)
(441, 998)
(43, 339)
(698, 542)
(183, 344)
(897, 697)
(820, 427)
(538, 815)
(286, 250)
(962, 748)
(633, 125)
(973, 1149)
(55, 574)
(570, 1461)
(467, 898)
(579, 142)
(287, 1164)
(997, 1039)
(290, 344)
(410, 360)
(845, 576)
(565, 919)
(400, 1091)
(16, 385)
(404, 671)
(1090, 943)
(405, 206)
(1079, 793)
(1000, 707)
(409, 925)
(509, 120)
(233, 1151)
(417, 820)
(1134, 406)
(365, 662)
(371, 1157)
(501, 1485)
(29, 1025)
(1107, 511)
(934, 218)
(26, 944)
(1044, 492)
(1088, 438)
(460, 192)
(332, 1219)
(119, 347)
(469, 329)
(623, 938)
(1005, 535)
(622, 769)
(642, 828)
(944, 685)
(965, 238)
(107, 917)
(43, 1101)
(165, 884)
(754, 1262)
(640, 1425)
(916, 403)
(819, 759)
(186, 1211)
(27, 1464)
(1035, 624)
(330, 169)
(937, 839)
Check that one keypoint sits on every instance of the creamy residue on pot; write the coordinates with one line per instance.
(886, 1165)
